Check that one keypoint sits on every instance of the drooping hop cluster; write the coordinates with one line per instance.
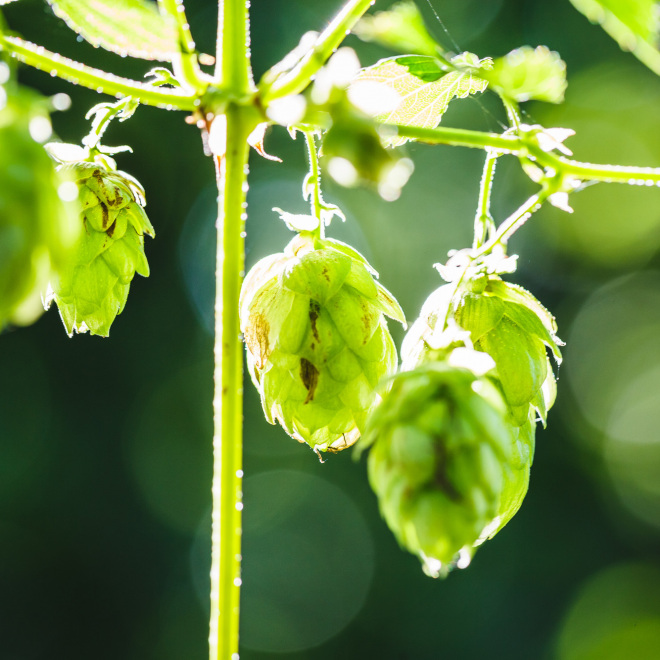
(488, 340)
(93, 289)
(317, 340)
(38, 227)
(441, 459)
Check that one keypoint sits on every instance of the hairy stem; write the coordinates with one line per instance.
(232, 55)
(101, 81)
(228, 400)
(186, 66)
(483, 221)
(313, 181)
(327, 42)
(237, 124)
(510, 144)
(515, 221)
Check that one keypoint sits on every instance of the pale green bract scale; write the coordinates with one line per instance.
(317, 342)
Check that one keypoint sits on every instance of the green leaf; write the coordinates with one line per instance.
(125, 27)
(632, 23)
(424, 87)
(400, 28)
(529, 74)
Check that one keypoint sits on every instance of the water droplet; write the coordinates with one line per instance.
(239, 474)
(243, 234)
(239, 506)
(238, 582)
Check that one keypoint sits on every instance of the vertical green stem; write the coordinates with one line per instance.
(234, 69)
(228, 399)
(314, 181)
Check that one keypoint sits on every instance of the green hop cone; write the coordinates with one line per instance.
(440, 461)
(506, 322)
(38, 228)
(94, 287)
(317, 340)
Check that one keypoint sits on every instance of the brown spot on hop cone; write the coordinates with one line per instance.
(310, 378)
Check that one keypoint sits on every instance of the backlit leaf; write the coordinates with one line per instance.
(424, 87)
(125, 27)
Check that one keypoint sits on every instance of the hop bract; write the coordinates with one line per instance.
(442, 454)
(317, 340)
(93, 288)
(37, 227)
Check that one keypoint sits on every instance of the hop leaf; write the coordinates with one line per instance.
(443, 463)
(93, 289)
(37, 226)
(317, 341)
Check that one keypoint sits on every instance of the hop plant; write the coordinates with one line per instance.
(93, 289)
(38, 223)
(317, 340)
(443, 461)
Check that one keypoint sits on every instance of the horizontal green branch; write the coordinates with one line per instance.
(510, 144)
(101, 81)
(459, 137)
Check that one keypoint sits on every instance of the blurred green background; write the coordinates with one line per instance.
(105, 445)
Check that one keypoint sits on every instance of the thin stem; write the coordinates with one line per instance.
(515, 221)
(101, 81)
(327, 42)
(228, 400)
(644, 176)
(459, 137)
(512, 112)
(483, 221)
(186, 65)
(510, 144)
(314, 181)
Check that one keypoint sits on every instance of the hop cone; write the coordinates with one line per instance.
(37, 228)
(441, 456)
(94, 287)
(317, 340)
(506, 322)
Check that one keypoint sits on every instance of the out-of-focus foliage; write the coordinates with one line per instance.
(635, 24)
(125, 27)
